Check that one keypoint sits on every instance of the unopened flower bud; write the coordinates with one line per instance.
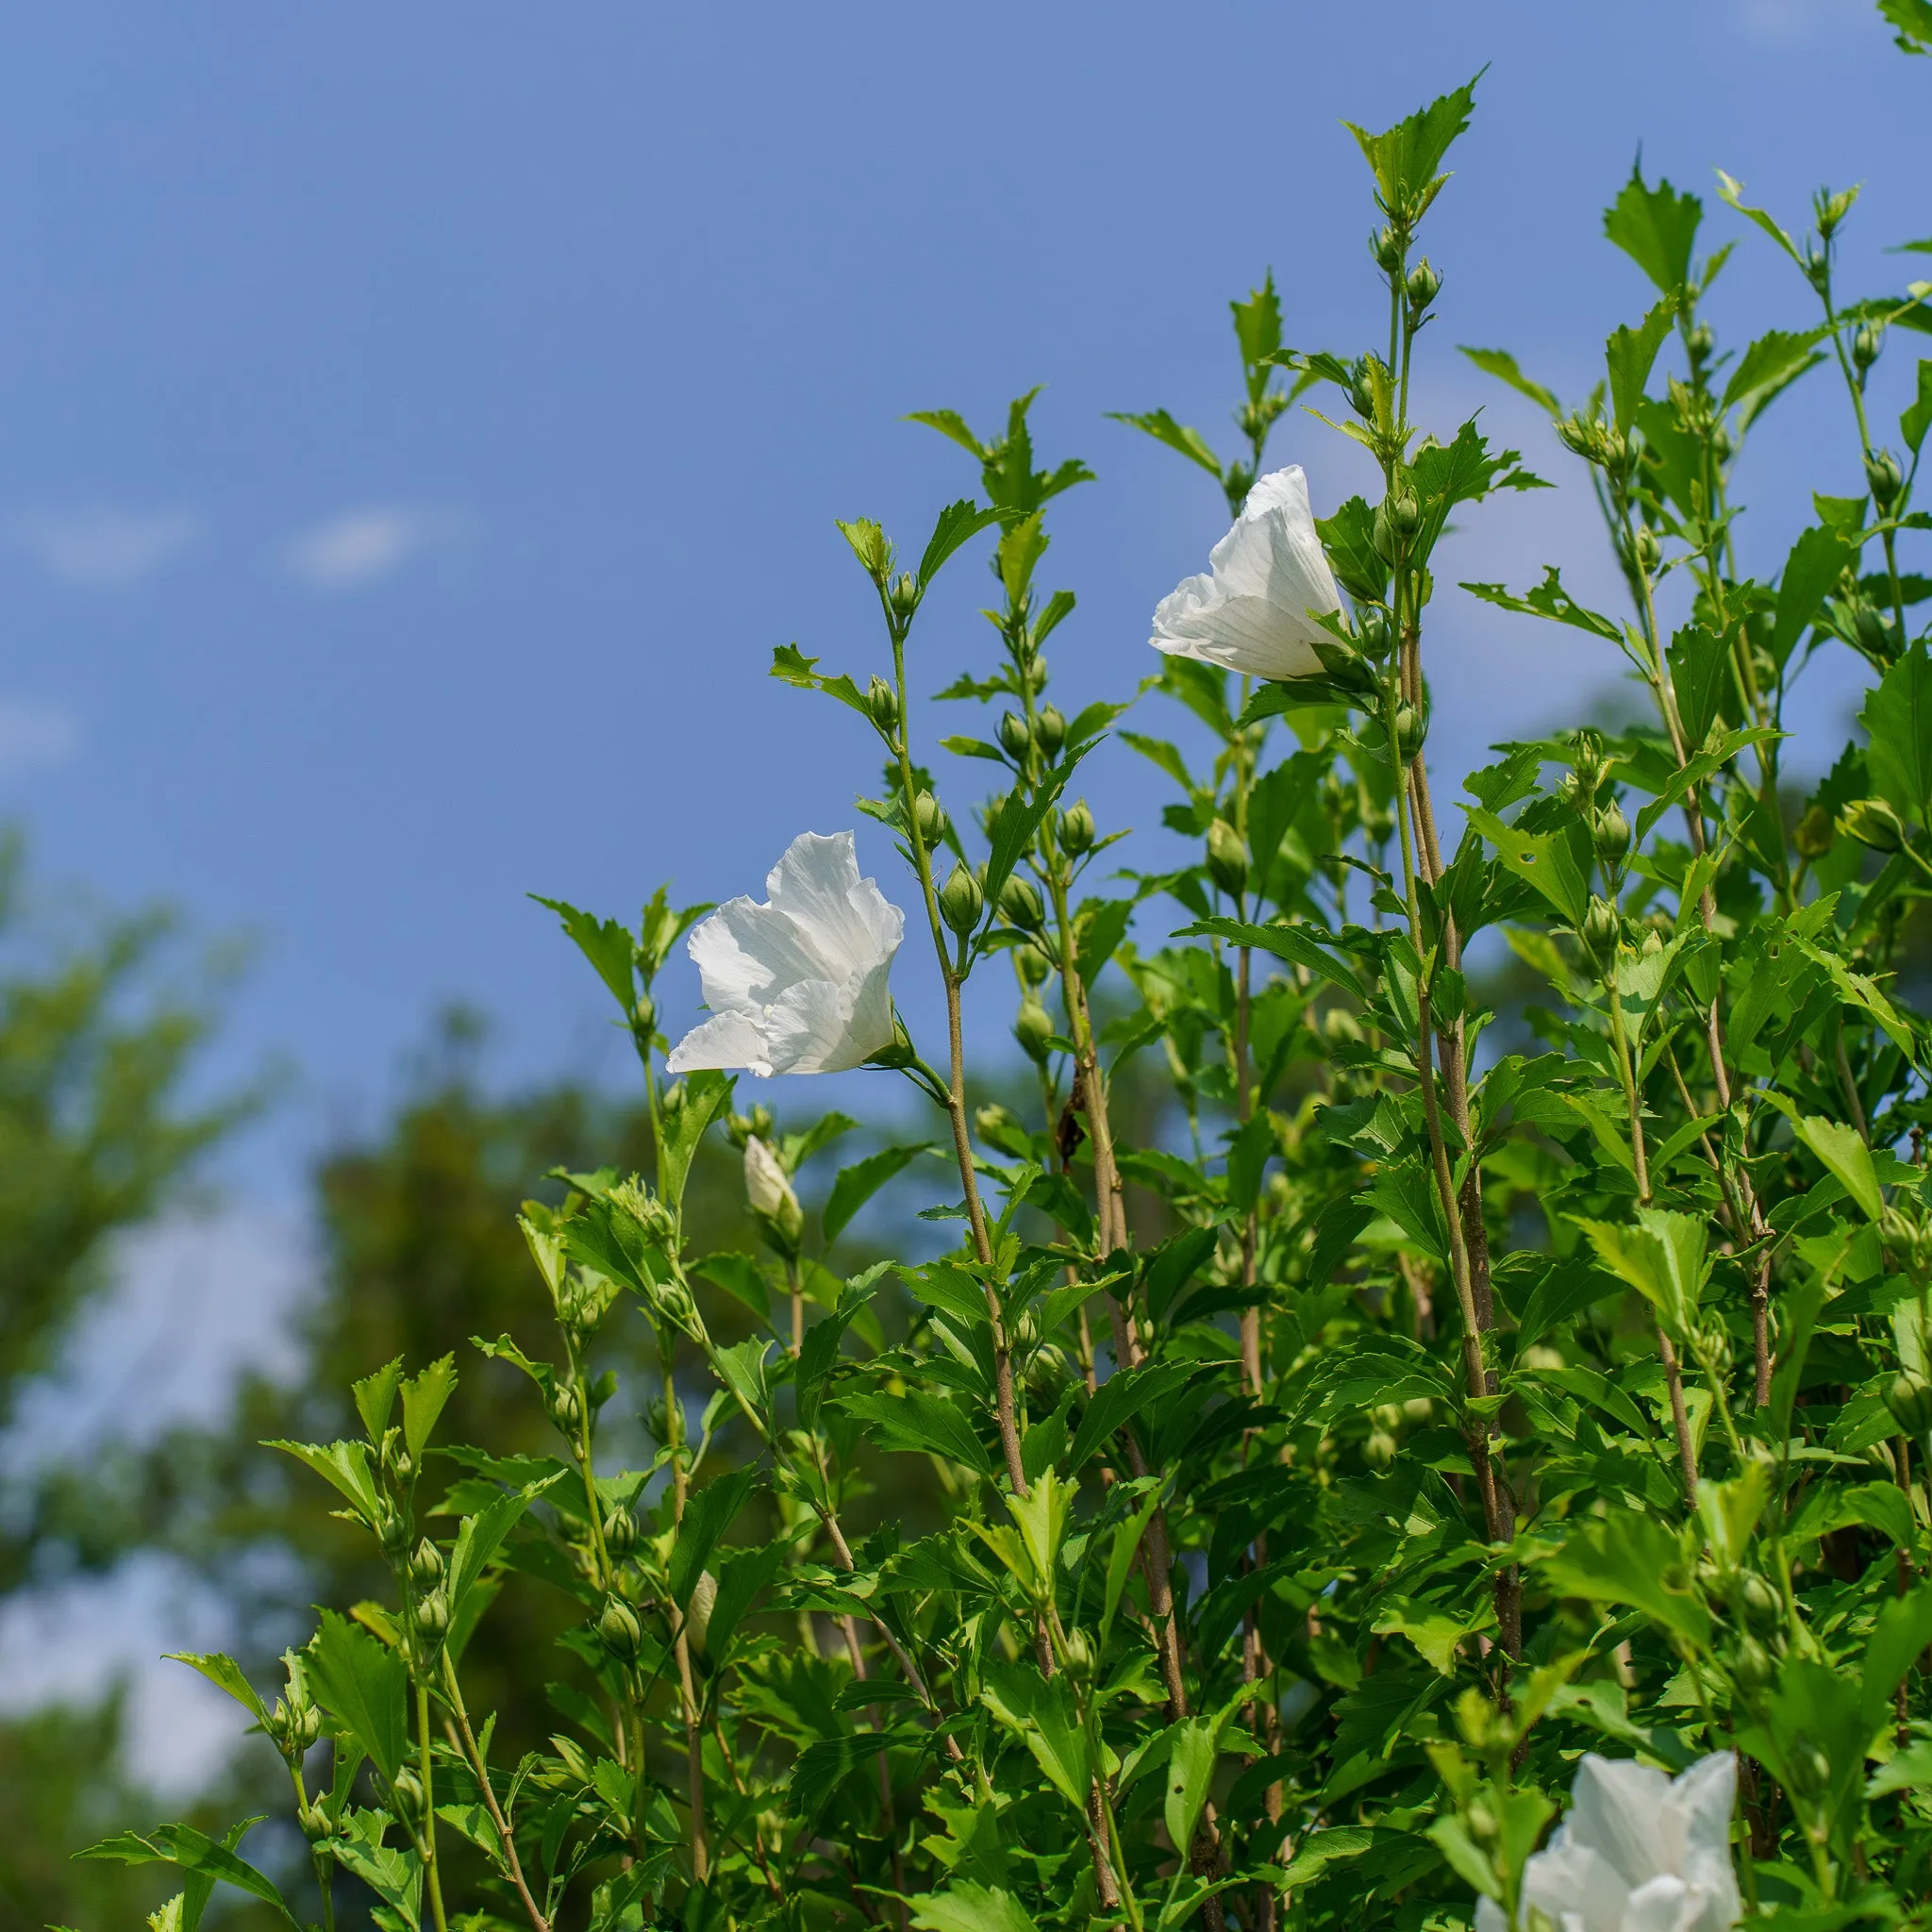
(1910, 1399)
(1814, 833)
(882, 701)
(697, 1620)
(1885, 477)
(426, 1565)
(1397, 519)
(1379, 1450)
(1646, 551)
(1079, 1655)
(644, 1014)
(1411, 727)
(1033, 1028)
(1830, 210)
(1873, 629)
(929, 815)
(1866, 344)
(392, 1532)
(1424, 284)
(432, 1618)
(567, 1408)
(1033, 964)
(619, 1630)
(961, 901)
(672, 1104)
(768, 1190)
(996, 1123)
(1014, 735)
(1759, 1604)
(1603, 929)
(905, 596)
(1227, 858)
(1021, 904)
(1610, 832)
(1077, 829)
(1700, 342)
(620, 1532)
(1873, 821)
(1752, 1667)
(1385, 245)
(1050, 731)
(405, 1790)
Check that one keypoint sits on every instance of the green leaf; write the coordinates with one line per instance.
(1772, 361)
(1656, 228)
(1817, 561)
(423, 1396)
(958, 524)
(739, 1277)
(1662, 1257)
(376, 1396)
(1120, 1561)
(1897, 718)
(345, 1465)
(1191, 1758)
(480, 1536)
(1257, 324)
(918, 1423)
(364, 1685)
(1627, 1559)
(191, 1851)
(1552, 601)
(965, 1906)
(709, 1513)
(1502, 365)
(707, 1094)
(1406, 157)
(1542, 858)
(1699, 665)
(1913, 425)
(607, 944)
(1176, 436)
(1847, 1157)
(224, 1672)
(790, 665)
(1732, 192)
(741, 1579)
(857, 1184)
(1712, 760)
(1295, 943)
(1041, 1711)
(1629, 355)
(1913, 20)
(949, 422)
(1119, 1399)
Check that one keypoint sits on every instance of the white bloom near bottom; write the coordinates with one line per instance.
(797, 985)
(1639, 1852)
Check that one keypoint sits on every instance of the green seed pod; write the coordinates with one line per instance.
(1050, 731)
(1021, 904)
(426, 1565)
(1033, 965)
(1033, 1028)
(1603, 931)
(1227, 858)
(1910, 1399)
(961, 902)
(882, 701)
(1610, 832)
(1885, 477)
(1014, 735)
(619, 1630)
(929, 815)
(1077, 829)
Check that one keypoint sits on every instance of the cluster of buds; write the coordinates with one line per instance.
(1596, 441)
(1398, 516)
(295, 1723)
(1369, 387)
(1757, 1614)
(429, 1618)
(741, 1128)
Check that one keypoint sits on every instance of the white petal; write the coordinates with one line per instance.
(725, 1039)
(1243, 634)
(1489, 1916)
(1620, 1814)
(1701, 1803)
(845, 921)
(767, 1186)
(1663, 1904)
(1570, 1885)
(806, 1028)
(745, 952)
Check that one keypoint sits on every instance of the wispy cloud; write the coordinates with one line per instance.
(99, 544)
(363, 545)
(34, 736)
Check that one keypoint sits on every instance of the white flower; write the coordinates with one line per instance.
(768, 1190)
(1270, 572)
(798, 984)
(1639, 1852)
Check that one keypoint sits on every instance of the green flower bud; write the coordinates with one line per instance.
(1397, 519)
(904, 595)
(392, 1532)
(1033, 1028)
(1757, 1603)
(644, 1014)
(1385, 245)
(1077, 829)
(567, 1408)
(1021, 904)
(1033, 964)
(1866, 344)
(1753, 1668)
(672, 1101)
(1873, 821)
(997, 1123)
(882, 701)
(1411, 727)
(697, 1620)
(1873, 629)
(1424, 284)
(1375, 635)
(620, 1533)
(1227, 858)
(1079, 1655)
(1814, 833)
(1910, 1399)
(1830, 210)
(432, 1618)
(1701, 342)
(619, 1630)
(1610, 832)
(961, 902)
(406, 1791)
(1050, 731)
(1014, 735)
(1885, 477)
(426, 1565)
(1603, 931)
(1379, 1451)
(929, 815)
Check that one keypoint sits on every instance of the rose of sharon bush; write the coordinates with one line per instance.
(797, 985)
(1268, 579)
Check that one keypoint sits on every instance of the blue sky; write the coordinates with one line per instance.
(418, 425)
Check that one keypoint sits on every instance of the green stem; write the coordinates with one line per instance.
(432, 1868)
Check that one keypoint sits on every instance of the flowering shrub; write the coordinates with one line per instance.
(1474, 1418)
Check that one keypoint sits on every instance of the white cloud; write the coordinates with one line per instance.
(363, 545)
(34, 736)
(98, 544)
